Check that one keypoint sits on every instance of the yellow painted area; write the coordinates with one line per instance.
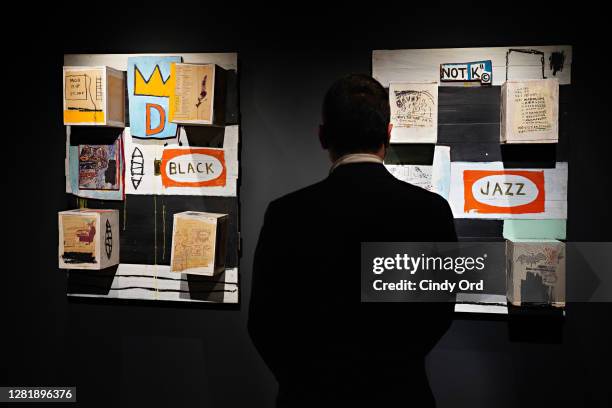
(154, 86)
(73, 117)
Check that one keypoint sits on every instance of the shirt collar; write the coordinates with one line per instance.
(356, 158)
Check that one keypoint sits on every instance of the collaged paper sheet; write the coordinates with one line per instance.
(441, 172)
(78, 238)
(197, 171)
(94, 96)
(193, 243)
(99, 167)
(487, 190)
(530, 111)
(85, 96)
(149, 89)
(193, 95)
(434, 178)
(95, 171)
(536, 272)
(414, 112)
(417, 175)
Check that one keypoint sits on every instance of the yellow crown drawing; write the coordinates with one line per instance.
(154, 86)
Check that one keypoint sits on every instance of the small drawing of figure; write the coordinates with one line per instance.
(531, 258)
(87, 235)
(203, 92)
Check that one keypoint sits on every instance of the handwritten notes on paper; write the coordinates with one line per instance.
(199, 243)
(192, 99)
(193, 244)
(94, 96)
(530, 111)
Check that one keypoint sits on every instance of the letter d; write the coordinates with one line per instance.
(162, 118)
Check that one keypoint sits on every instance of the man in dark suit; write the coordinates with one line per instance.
(323, 345)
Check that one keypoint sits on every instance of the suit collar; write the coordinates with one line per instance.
(358, 170)
(355, 158)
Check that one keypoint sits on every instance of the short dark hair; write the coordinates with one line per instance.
(355, 115)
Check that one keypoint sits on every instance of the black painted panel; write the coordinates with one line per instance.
(453, 96)
(410, 153)
(478, 228)
(535, 155)
(205, 136)
(487, 95)
(449, 134)
(93, 135)
(472, 113)
(90, 282)
(475, 152)
(232, 108)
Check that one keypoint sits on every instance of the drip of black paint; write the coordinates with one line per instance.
(557, 59)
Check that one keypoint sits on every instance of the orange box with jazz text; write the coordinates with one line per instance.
(504, 191)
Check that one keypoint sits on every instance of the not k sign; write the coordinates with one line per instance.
(478, 71)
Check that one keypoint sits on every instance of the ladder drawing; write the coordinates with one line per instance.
(98, 89)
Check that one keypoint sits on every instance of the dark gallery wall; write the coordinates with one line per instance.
(182, 355)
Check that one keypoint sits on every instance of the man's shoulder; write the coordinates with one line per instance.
(424, 195)
(386, 188)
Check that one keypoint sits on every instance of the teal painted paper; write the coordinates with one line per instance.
(534, 229)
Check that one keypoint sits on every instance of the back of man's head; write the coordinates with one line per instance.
(355, 116)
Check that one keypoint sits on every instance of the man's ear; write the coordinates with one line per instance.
(323, 137)
(389, 129)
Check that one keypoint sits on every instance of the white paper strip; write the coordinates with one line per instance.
(227, 60)
(488, 309)
(423, 65)
(481, 303)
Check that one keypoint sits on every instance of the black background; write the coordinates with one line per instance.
(170, 355)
